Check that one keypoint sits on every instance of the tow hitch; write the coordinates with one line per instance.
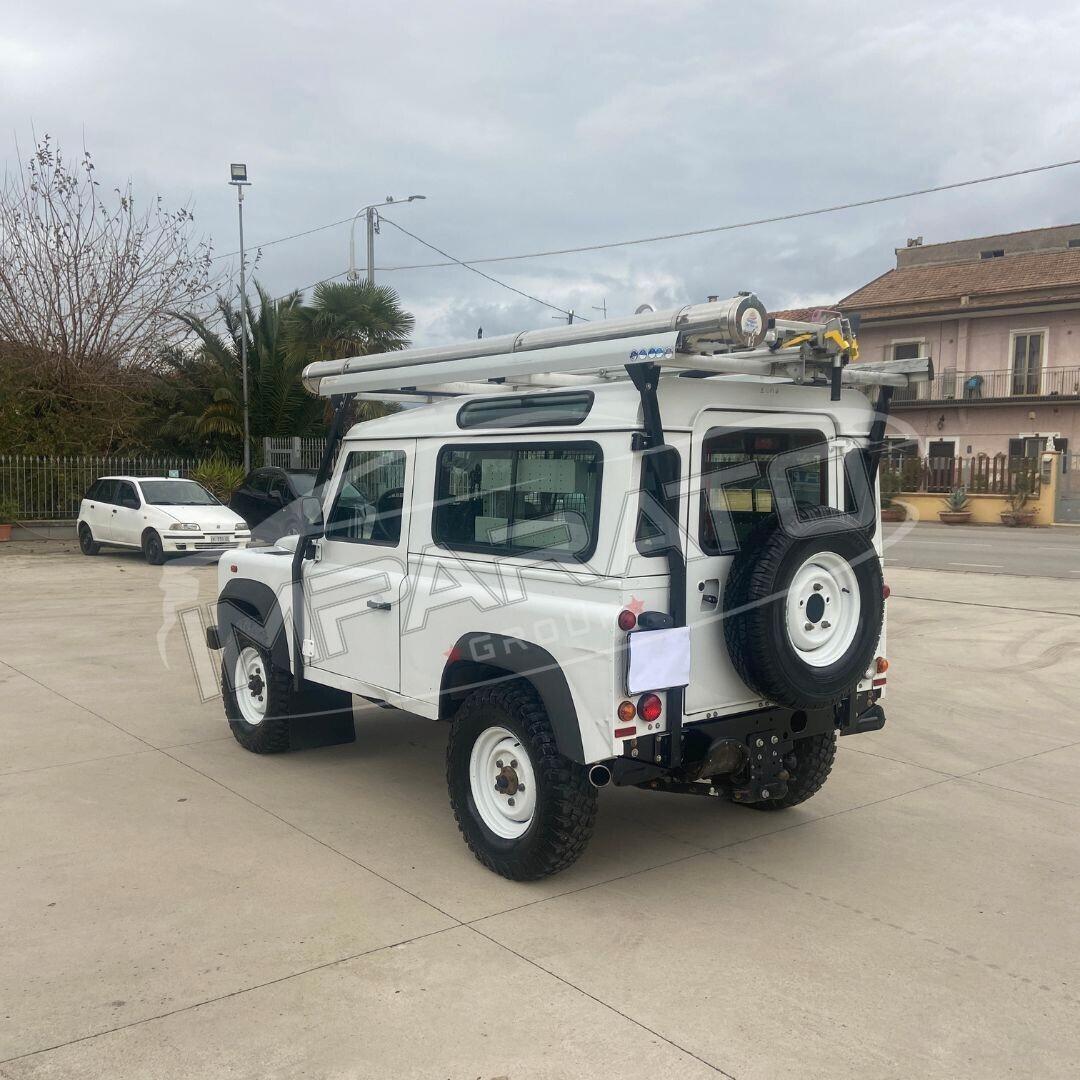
(770, 759)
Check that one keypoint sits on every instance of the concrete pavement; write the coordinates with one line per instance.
(174, 907)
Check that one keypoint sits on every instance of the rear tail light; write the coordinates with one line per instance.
(627, 711)
(649, 708)
(881, 665)
(627, 619)
(886, 592)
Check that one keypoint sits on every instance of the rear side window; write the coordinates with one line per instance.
(260, 482)
(528, 410)
(367, 509)
(100, 491)
(519, 500)
(734, 500)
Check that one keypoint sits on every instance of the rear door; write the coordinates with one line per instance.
(355, 589)
(730, 492)
(127, 517)
(97, 508)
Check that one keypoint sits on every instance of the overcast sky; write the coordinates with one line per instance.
(558, 123)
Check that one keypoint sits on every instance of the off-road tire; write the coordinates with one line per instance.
(285, 705)
(152, 548)
(754, 598)
(566, 806)
(814, 757)
(87, 544)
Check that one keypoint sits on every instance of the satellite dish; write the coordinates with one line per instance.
(641, 309)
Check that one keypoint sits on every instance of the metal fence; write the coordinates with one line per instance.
(51, 488)
(293, 453)
(994, 385)
(980, 474)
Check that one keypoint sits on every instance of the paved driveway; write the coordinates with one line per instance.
(172, 906)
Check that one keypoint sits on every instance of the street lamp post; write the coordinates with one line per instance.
(239, 180)
(371, 213)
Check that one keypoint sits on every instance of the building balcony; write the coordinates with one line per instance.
(993, 387)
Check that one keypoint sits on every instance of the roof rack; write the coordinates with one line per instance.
(728, 337)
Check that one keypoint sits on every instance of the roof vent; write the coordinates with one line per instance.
(914, 241)
(993, 253)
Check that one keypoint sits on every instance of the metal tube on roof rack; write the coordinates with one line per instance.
(737, 322)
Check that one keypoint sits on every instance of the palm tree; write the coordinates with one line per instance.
(208, 385)
(348, 320)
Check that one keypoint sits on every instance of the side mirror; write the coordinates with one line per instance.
(311, 513)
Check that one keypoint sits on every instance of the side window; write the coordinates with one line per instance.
(367, 508)
(95, 491)
(516, 500)
(736, 503)
(126, 496)
(259, 482)
(279, 488)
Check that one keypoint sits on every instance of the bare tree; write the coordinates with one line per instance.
(86, 284)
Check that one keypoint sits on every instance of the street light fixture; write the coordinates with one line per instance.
(371, 211)
(238, 179)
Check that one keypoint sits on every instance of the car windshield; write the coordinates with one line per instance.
(304, 482)
(176, 493)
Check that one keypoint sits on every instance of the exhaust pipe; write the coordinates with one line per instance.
(599, 776)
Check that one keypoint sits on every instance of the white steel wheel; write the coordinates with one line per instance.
(250, 682)
(823, 609)
(502, 782)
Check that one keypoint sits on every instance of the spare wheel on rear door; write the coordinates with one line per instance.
(803, 613)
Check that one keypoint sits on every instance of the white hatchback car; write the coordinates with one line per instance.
(161, 515)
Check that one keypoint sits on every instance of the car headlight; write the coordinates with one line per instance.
(185, 526)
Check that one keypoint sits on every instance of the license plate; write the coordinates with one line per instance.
(219, 538)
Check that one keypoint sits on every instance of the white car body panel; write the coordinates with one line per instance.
(124, 526)
(568, 608)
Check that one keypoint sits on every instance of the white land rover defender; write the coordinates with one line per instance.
(642, 551)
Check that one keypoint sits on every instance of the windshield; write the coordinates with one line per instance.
(176, 493)
(304, 482)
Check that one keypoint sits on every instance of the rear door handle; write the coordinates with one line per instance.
(378, 605)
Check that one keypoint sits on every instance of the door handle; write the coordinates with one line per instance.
(378, 605)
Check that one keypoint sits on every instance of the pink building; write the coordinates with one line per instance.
(1000, 315)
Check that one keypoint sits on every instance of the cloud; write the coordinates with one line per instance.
(554, 124)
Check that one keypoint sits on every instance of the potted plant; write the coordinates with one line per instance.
(891, 510)
(957, 512)
(8, 510)
(1016, 514)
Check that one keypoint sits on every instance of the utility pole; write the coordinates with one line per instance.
(569, 317)
(239, 180)
(602, 307)
(371, 215)
(372, 229)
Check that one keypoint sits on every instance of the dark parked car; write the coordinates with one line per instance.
(267, 499)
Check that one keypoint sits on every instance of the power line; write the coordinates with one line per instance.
(470, 263)
(283, 239)
(678, 235)
(503, 284)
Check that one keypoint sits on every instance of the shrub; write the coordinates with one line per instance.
(9, 511)
(1020, 493)
(957, 500)
(219, 475)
